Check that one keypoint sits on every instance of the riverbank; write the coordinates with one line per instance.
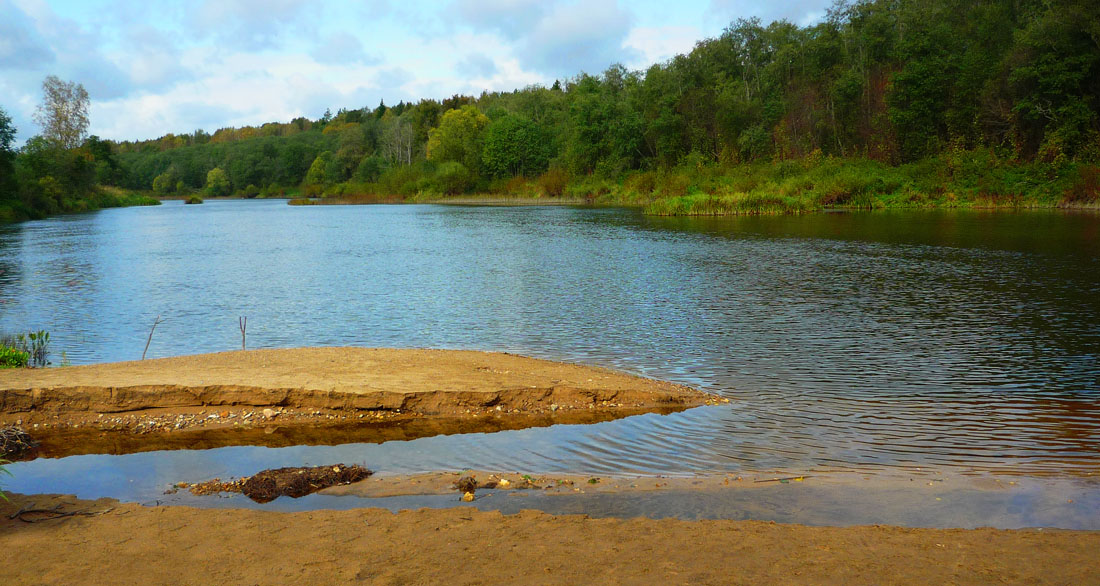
(108, 542)
(351, 392)
(977, 179)
(98, 198)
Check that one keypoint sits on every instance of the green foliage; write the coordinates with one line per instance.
(217, 183)
(458, 138)
(452, 178)
(34, 346)
(192, 200)
(882, 102)
(13, 357)
(514, 145)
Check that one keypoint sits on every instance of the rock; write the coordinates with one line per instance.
(467, 497)
(269, 413)
(466, 484)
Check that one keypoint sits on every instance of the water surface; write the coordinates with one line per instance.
(845, 341)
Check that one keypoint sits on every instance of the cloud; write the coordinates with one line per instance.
(476, 65)
(340, 48)
(510, 18)
(801, 12)
(659, 44)
(251, 24)
(579, 36)
(392, 78)
(21, 47)
(153, 59)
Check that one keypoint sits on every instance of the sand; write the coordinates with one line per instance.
(131, 544)
(311, 386)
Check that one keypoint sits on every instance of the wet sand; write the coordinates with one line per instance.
(314, 387)
(130, 544)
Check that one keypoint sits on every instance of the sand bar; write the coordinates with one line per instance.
(310, 386)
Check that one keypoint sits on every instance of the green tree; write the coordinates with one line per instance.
(459, 138)
(217, 183)
(63, 113)
(7, 156)
(515, 146)
(316, 173)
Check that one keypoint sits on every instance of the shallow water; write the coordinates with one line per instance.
(961, 340)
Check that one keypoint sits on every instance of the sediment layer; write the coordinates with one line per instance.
(321, 385)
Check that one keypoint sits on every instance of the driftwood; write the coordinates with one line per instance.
(53, 513)
(150, 338)
(15, 443)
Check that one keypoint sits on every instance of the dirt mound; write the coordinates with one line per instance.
(296, 482)
(268, 485)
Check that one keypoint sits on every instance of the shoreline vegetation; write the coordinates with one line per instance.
(880, 104)
(971, 180)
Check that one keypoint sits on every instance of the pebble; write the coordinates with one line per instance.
(269, 413)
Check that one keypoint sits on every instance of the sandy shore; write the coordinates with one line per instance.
(130, 544)
(310, 387)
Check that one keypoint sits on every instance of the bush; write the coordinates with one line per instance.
(453, 178)
(194, 199)
(36, 346)
(553, 181)
(13, 357)
(1086, 186)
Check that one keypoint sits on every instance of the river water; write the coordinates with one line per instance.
(960, 340)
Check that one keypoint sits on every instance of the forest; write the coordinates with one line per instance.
(883, 103)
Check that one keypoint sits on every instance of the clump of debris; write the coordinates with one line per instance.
(15, 443)
(269, 485)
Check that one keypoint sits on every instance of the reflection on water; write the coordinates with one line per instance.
(844, 340)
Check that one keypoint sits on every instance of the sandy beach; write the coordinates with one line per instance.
(128, 544)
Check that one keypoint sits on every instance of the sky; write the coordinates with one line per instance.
(153, 67)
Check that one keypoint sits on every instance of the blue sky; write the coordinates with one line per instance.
(153, 67)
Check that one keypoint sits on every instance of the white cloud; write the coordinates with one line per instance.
(801, 12)
(579, 36)
(341, 47)
(476, 65)
(659, 44)
(510, 18)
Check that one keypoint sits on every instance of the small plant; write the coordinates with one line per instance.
(13, 357)
(38, 345)
(4, 470)
(30, 349)
(194, 199)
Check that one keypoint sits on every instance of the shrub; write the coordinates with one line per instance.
(36, 346)
(553, 181)
(13, 357)
(194, 199)
(1086, 186)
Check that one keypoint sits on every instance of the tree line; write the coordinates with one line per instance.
(928, 87)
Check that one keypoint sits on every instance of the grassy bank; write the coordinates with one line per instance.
(101, 197)
(976, 179)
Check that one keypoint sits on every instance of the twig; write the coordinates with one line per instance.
(54, 513)
(150, 338)
(782, 479)
(244, 325)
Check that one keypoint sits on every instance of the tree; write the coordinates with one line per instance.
(515, 146)
(63, 113)
(217, 183)
(459, 138)
(7, 155)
